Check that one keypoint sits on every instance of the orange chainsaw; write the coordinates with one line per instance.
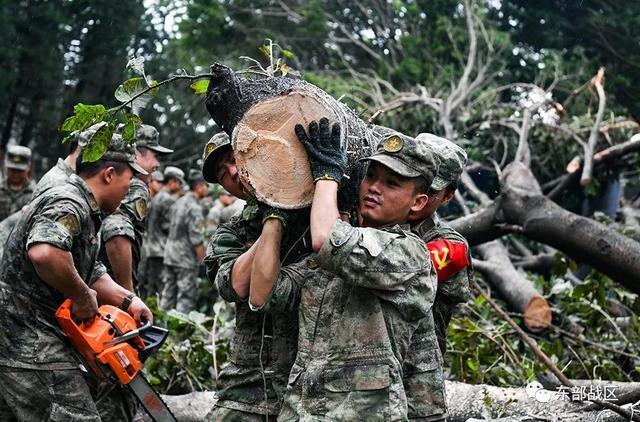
(115, 349)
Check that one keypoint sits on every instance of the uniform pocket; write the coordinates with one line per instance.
(357, 390)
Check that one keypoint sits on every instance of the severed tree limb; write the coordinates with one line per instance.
(598, 83)
(513, 286)
(626, 413)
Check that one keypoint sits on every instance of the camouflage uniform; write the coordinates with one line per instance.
(180, 272)
(363, 296)
(130, 221)
(159, 220)
(220, 214)
(33, 353)
(423, 377)
(56, 176)
(263, 347)
(17, 158)
(241, 388)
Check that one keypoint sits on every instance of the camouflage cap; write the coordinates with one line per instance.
(452, 159)
(147, 136)
(121, 151)
(218, 143)
(17, 157)
(405, 156)
(157, 176)
(195, 175)
(171, 172)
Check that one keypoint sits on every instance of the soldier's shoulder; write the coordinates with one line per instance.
(445, 231)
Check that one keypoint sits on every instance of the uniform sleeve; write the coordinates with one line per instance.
(98, 271)
(56, 225)
(196, 227)
(371, 258)
(285, 295)
(225, 247)
(117, 224)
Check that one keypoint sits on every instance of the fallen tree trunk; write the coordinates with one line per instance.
(260, 116)
(581, 238)
(513, 286)
(465, 402)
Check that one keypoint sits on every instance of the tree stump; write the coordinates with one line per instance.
(260, 115)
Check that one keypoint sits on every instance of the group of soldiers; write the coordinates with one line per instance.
(341, 309)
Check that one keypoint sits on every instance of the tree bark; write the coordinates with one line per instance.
(583, 239)
(513, 286)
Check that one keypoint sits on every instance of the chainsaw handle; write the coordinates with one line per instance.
(129, 335)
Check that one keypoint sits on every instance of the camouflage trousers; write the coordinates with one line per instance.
(179, 288)
(114, 402)
(39, 395)
(223, 414)
(150, 277)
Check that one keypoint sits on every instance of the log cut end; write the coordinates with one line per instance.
(537, 314)
(271, 161)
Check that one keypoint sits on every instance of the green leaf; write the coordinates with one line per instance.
(200, 87)
(130, 117)
(265, 50)
(129, 132)
(84, 116)
(98, 144)
(287, 54)
(130, 88)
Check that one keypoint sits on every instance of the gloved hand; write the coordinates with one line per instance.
(328, 161)
(267, 211)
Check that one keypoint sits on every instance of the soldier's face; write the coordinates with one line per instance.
(227, 174)
(16, 177)
(117, 188)
(386, 197)
(147, 159)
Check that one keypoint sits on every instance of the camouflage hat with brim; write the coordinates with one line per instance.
(147, 136)
(219, 143)
(452, 159)
(195, 175)
(171, 172)
(157, 176)
(17, 157)
(405, 156)
(123, 152)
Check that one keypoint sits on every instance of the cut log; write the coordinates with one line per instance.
(465, 402)
(260, 116)
(513, 286)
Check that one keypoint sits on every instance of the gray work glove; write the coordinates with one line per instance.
(328, 161)
(267, 211)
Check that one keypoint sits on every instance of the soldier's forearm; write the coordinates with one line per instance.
(241, 271)
(199, 253)
(120, 256)
(55, 267)
(324, 212)
(266, 264)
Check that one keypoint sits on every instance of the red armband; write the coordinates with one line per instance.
(448, 257)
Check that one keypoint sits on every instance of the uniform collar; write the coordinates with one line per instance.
(422, 227)
(77, 181)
